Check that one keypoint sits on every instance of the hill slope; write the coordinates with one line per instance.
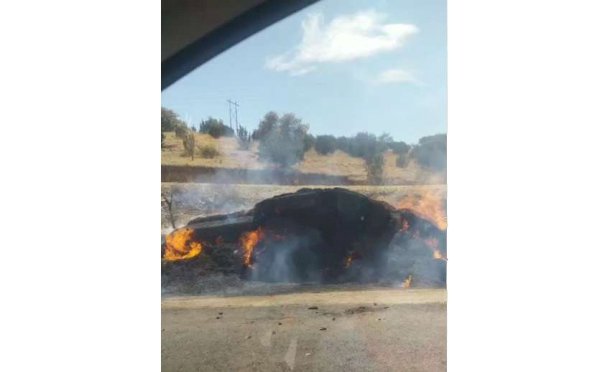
(337, 164)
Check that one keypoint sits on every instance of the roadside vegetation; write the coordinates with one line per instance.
(284, 142)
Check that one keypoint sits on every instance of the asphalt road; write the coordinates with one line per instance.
(350, 330)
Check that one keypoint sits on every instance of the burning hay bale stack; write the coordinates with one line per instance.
(312, 235)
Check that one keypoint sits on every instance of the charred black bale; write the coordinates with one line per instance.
(317, 235)
(226, 226)
(321, 229)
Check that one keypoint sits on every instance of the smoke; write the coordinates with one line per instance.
(196, 200)
(278, 265)
(290, 258)
(412, 257)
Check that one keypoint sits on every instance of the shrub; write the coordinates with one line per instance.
(215, 128)
(325, 144)
(189, 145)
(181, 131)
(208, 152)
(162, 140)
(375, 169)
(402, 160)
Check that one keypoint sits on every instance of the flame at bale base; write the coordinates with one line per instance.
(248, 241)
(437, 255)
(180, 245)
(434, 244)
(407, 283)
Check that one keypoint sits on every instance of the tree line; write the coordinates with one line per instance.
(284, 139)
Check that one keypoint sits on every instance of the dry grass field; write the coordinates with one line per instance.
(336, 164)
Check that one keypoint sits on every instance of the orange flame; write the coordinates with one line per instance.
(428, 205)
(248, 241)
(179, 245)
(437, 255)
(407, 283)
(433, 243)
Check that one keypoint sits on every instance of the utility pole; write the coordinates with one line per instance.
(235, 105)
(237, 125)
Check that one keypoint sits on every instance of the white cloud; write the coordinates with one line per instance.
(345, 38)
(395, 75)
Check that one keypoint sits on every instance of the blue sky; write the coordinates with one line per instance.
(342, 66)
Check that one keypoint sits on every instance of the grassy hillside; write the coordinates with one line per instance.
(337, 164)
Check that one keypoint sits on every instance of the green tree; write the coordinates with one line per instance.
(431, 152)
(365, 145)
(284, 143)
(309, 142)
(399, 148)
(325, 144)
(266, 125)
(169, 120)
(343, 144)
(385, 139)
(215, 128)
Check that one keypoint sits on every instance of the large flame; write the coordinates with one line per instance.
(248, 241)
(179, 245)
(428, 205)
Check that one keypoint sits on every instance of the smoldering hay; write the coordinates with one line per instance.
(311, 236)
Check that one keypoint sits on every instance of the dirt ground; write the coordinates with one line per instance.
(351, 330)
